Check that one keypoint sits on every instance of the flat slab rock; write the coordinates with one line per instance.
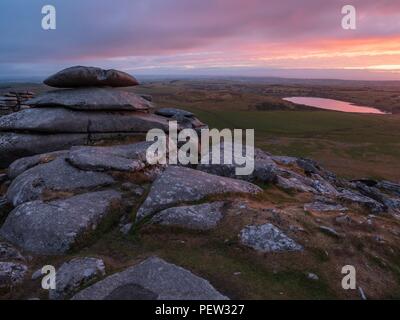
(267, 238)
(14, 146)
(21, 165)
(54, 227)
(173, 112)
(130, 157)
(198, 217)
(153, 279)
(177, 185)
(60, 120)
(91, 99)
(55, 176)
(81, 76)
(74, 274)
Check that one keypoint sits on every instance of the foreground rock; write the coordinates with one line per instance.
(91, 99)
(21, 165)
(354, 197)
(265, 169)
(267, 238)
(54, 227)
(14, 146)
(177, 185)
(198, 217)
(131, 157)
(11, 274)
(75, 274)
(59, 120)
(80, 76)
(55, 176)
(153, 279)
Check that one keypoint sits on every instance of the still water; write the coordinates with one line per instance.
(330, 104)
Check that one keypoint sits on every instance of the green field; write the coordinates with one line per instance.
(351, 145)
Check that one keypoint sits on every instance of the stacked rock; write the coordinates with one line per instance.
(89, 106)
(15, 100)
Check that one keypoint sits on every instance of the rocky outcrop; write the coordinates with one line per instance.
(75, 274)
(88, 99)
(80, 76)
(179, 185)
(267, 238)
(55, 176)
(54, 227)
(153, 279)
(198, 217)
(89, 112)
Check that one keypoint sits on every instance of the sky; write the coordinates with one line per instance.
(277, 38)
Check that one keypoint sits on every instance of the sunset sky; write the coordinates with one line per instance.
(284, 38)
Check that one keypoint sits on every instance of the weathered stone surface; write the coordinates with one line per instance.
(264, 167)
(131, 157)
(389, 186)
(172, 112)
(74, 274)
(267, 238)
(293, 181)
(184, 118)
(354, 197)
(180, 184)
(320, 206)
(21, 165)
(11, 273)
(80, 76)
(56, 175)
(152, 279)
(59, 120)
(9, 253)
(198, 217)
(14, 146)
(91, 99)
(54, 227)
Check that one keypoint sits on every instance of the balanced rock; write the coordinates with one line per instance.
(267, 238)
(91, 99)
(54, 176)
(197, 217)
(153, 279)
(54, 227)
(179, 184)
(74, 274)
(80, 76)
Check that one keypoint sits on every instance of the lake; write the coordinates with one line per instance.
(330, 104)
